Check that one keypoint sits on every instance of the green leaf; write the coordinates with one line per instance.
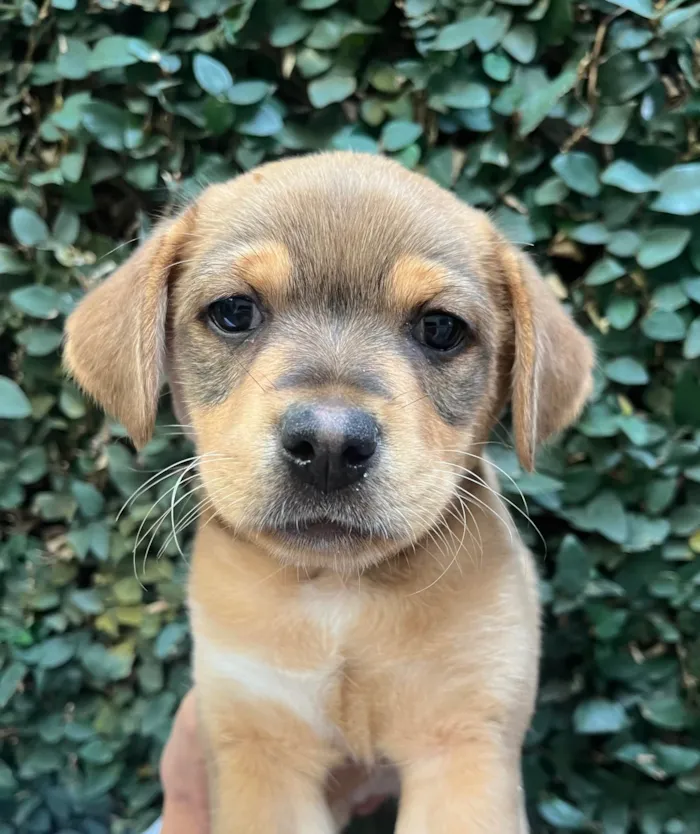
(87, 600)
(498, 67)
(537, 106)
(514, 225)
(331, 89)
(465, 95)
(593, 234)
(248, 92)
(604, 271)
(675, 18)
(454, 36)
(521, 43)
(624, 244)
(624, 76)
(621, 312)
(489, 31)
(679, 188)
(399, 134)
(668, 713)
(289, 27)
(536, 483)
(608, 517)
(128, 591)
(14, 404)
(562, 815)
(66, 226)
(579, 171)
(38, 301)
(265, 121)
(669, 297)
(644, 8)
(74, 61)
(114, 128)
(611, 123)
(661, 245)
(10, 679)
(641, 432)
(11, 263)
(646, 533)
(551, 192)
(107, 665)
(169, 640)
(28, 228)
(41, 762)
(52, 506)
(90, 500)
(626, 176)
(55, 652)
(72, 165)
(574, 564)
(685, 520)
(691, 346)
(598, 715)
(627, 371)
(211, 75)
(661, 326)
(33, 465)
(674, 759)
(111, 52)
(96, 752)
(692, 288)
(8, 784)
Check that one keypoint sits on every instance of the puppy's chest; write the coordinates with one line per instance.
(323, 664)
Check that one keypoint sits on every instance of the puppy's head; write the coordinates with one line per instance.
(339, 335)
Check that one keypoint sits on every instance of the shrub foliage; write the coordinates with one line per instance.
(576, 126)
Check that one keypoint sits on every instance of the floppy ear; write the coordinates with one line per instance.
(115, 338)
(553, 360)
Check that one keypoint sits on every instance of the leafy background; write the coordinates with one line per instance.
(576, 125)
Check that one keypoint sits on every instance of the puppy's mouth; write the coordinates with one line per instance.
(321, 534)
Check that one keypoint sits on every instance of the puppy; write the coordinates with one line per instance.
(340, 336)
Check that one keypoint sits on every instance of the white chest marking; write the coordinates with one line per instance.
(333, 611)
(302, 692)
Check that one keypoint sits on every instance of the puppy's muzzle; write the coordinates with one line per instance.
(328, 445)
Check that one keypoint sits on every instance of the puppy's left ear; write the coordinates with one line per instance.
(553, 359)
(115, 338)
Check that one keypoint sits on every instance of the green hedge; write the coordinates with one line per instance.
(577, 126)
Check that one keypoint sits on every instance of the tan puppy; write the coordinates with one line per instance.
(340, 336)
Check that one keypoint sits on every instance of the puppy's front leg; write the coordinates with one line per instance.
(264, 777)
(255, 796)
(473, 789)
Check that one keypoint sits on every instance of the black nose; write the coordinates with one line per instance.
(329, 446)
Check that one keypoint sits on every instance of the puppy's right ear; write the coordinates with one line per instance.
(115, 338)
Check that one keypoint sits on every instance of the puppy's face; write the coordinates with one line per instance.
(339, 336)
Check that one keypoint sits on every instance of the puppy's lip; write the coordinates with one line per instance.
(320, 532)
(319, 528)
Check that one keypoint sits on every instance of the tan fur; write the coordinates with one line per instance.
(415, 281)
(552, 371)
(116, 341)
(419, 645)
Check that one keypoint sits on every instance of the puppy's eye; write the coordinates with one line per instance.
(441, 331)
(236, 314)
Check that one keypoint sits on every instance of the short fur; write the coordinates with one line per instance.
(417, 642)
